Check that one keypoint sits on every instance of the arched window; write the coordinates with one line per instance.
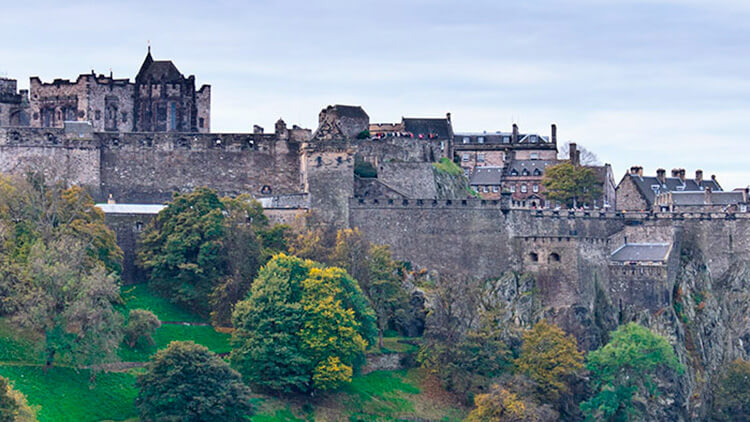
(319, 161)
(523, 189)
(554, 257)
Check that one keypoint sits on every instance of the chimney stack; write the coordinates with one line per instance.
(707, 196)
(257, 129)
(640, 171)
(634, 170)
(515, 133)
(675, 172)
(661, 175)
(448, 117)
(682, 175)
(573, 154)
(699, 176)
(553, 136)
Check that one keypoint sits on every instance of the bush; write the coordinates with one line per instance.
(187, 382)
(732, 393)
(142, 324)
(13, 405)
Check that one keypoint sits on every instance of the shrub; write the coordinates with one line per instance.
(445, 165)
(141, 326)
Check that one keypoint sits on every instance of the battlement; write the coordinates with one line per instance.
(425, 203)
(187, 141)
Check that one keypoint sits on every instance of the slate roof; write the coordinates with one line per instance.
(649, 186)
(427, 127)
(699, 198)
(530, 165)
(486, 176)
(355, 112)
(643, 252)
(158, 71)
(497, 138)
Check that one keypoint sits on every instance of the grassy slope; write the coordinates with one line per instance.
(65, 394)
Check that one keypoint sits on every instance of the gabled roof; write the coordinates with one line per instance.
(486, 176)
(650, 186)
(644, 252)
(157, 71)
(425, 127)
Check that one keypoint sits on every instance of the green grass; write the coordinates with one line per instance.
(64, 394)
(15, 346)
(445, 165)
(140, 297)
(205, 335)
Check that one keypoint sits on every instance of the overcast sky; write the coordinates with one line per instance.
(655, 83)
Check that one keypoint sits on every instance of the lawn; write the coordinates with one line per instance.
(140, 297)
(66, 395)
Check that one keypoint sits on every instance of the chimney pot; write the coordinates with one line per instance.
(634, 170)
(640, 171)
(573, 154)
(515, 133)
(699, 176)
(661, 174)
(682, 174)
(707, 196)
(553, 131)
(675, 172)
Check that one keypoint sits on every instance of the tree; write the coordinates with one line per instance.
(187, 382)
(377, 275)
(588, 158)
(13, 405)
(571, 185)
(732, 393)
(243, 219)
(141, 326)
(70, 303)
(302, 328)
(625, 368)
(182, 249)
(550, 358)
(501, 404)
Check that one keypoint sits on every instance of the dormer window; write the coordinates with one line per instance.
(525, 172)
(506, 139)
(466, 139)
(655, 188)
(532, 139)
(514, 172)
(480, 139)
(537, 172)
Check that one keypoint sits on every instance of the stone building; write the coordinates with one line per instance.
(705, 201)
(637, 192)
(160, 100)
(166, 101)
(14, 104)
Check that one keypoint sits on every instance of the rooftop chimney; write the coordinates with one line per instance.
(661, 174)
(257, 129)
(573, 154)
(682, 175)
(634, 170)
(448, 117)
(515, 133)
(553, 131)
(699, 176)
(675, 172)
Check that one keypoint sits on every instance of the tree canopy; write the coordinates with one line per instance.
(302, 328)
(625, 368)
(188, 383)
(550, 358)
(732, 392)
(13, 405)
(571, 185)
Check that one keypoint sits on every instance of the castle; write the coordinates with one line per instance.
(382, 178)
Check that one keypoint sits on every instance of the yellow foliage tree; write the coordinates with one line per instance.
(499, 405)
(549, 358)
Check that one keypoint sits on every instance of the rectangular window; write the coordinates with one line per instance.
(465, 157)
(535, 188)
(200, 122)
(532, 139)
(523, 188)
(480, 139)
(484, 189)
(506, 139)
(173, 116)
(495, 189)
(512, 188)
(534, 155)
(480, 157)
(466, 140)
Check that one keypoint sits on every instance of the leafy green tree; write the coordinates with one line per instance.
(302, 328)
(70, 303)
(571, 185)
(550, 358)
(188, 383)
(13, 405)
(142, 324)
(732, 393)
(182, 249)
(625, 368)
(377, 275)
